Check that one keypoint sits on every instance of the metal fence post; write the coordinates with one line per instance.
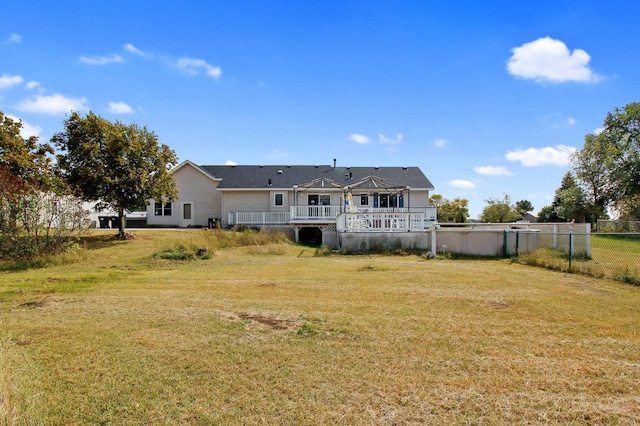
(504, 243)
(570, 248)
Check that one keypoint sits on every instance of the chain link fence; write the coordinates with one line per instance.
(607, 255)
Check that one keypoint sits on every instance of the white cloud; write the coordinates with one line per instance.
(549, 60)
(565, 123)
(192, 65)
(358, 138)
(27, 129)
(492, 170)
(464, 184)
(278, 154)
(55, 104)
(598, 130)
(120, 108)
(7, 81)
(132, 49)
(385, 140)
(32, 85)
(15, 38)
(441, 143)
(534, 157)
(230, 163)
(101, 60)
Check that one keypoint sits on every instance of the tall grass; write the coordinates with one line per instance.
(612, 256)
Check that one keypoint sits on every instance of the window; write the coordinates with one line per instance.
(364, 200)
(319, 200)
(160, 209)
(391, 200)
(278, 199)
(325, 200)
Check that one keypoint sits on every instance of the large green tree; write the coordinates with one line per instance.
(121, 166)
(499, 210)
(523, 207)
(629, 208)
(621, 135)
(591, 167)
(548, 214)
(456, 210)
(24, 158)
(437, 200)
(569, 201)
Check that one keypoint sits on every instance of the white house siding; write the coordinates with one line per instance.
(173, 220)
(285, 201)
(419, 198)
(246, 201)
(195, 187)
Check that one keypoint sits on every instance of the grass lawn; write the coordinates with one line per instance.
(272, 334)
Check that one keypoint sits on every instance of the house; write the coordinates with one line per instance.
(313, 202)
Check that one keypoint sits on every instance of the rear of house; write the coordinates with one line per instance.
(307, 200)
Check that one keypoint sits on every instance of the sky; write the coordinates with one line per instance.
(487, 98)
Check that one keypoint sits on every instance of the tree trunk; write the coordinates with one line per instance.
(122, 233)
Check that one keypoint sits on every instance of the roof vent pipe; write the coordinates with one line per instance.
(334, 163)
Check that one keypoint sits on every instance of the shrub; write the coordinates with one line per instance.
(34, 223)
(182, 252)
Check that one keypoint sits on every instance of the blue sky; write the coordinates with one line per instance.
(487, 98)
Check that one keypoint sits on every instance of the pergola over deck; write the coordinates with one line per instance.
(316, 212)
(374, 185)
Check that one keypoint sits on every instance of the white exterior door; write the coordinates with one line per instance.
(186, 214)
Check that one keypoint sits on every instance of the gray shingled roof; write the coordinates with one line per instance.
(239, 177)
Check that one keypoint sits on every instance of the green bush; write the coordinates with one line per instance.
(182, 252)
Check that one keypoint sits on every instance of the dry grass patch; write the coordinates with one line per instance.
(244, 338)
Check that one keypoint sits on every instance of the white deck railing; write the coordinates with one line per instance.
(315, 213)
(259, 218)
(430, 213)
(381, 222)
(391, 218)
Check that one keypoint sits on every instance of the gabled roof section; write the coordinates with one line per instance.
(195, 166)
(376, 182)
(322, 182)
(286, 177)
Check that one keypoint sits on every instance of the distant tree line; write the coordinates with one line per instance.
(118, 166)
(497, 210)
(605, 175)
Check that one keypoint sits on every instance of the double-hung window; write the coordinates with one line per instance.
(162, 209)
